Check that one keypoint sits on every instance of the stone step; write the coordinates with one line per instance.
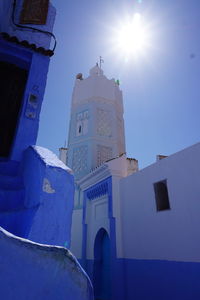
(11, 199)
(17, 222)
(10, 182)
(10, 167)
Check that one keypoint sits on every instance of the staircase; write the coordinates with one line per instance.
(13, 215)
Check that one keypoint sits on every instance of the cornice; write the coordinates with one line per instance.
(95, 99)
(98, 174)
(94, 176)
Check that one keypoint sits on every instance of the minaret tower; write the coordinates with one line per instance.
(96, 131)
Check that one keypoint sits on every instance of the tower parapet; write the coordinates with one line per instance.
(96, 88)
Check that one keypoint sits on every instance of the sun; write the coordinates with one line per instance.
(132, 37)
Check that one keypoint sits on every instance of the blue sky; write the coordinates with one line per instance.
(161, 90)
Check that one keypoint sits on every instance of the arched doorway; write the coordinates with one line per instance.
(101, 274)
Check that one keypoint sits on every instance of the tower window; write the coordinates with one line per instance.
(161, 195)
(79, 129)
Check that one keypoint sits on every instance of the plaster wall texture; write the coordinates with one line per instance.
(99, 210)
(28, 119)
(37, 201)
(119, 168)
(169, 234)
(36, 189)
(36, 271)
(155, 254)
(117, 214)
(36, 65)
(96, 85)
(77, 233)
(40, 39)
(49, 186)
(132, 166)
(63, 155)
(96, 218)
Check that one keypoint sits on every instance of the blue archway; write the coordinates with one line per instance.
(102, 274)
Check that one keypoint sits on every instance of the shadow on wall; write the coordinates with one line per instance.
(102, 274)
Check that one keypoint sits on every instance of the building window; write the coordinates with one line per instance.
(161, 194)
(34, 12)
(82, 119)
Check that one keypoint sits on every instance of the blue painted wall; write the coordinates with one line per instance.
(116, 280)
(24, 207)
(152, 279)
(14, 215)
(32, 271)
(51, 193)
(38, 203)
(137, 279)
(101, 268)
(37, 66)
(36, 189)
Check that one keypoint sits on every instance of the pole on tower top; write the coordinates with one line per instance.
(100, 61)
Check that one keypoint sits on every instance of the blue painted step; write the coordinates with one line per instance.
(18, 222)
(10, 182)
(10, 167)
(11, 200)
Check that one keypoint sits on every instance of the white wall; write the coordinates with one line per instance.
(96, 86)
(96, 218)
(117, 214)
(171, 234)
(63, 155)
(104, 138)
(76, 233)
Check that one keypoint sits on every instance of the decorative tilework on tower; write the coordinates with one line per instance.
(104, 124)
(79, 163)
(96, 126)
(103, 154)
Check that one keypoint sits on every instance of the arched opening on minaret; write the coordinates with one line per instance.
(12, 81)
(101, 273)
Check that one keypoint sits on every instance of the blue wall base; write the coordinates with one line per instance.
(152, 279)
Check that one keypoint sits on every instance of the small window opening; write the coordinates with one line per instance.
(33, 99)
(161, 195)
(79, 129)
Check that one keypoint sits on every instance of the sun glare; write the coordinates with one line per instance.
(132, 37)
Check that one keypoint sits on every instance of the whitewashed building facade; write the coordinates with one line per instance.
(136, 232)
